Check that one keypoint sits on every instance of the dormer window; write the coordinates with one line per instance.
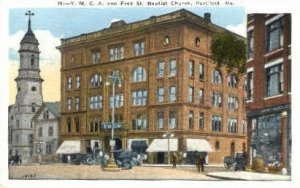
(166, 40)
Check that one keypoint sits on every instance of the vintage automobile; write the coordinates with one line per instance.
(126, 159)
(238, 162)
(15, 160)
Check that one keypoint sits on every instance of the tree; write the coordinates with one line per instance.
(229, 50)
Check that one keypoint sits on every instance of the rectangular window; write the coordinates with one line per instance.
(160, 120)
(191, 94)
(77, 125)
(116, 53)
(250, 44)
(160, 94)
(118, 102)
(69, 83)
(216, 123)
(40, 132)
(201, 120)
(274, 80)
(201, 71)
(250, 86)
(139, 48)
(232, 81)
(69, 103)
(96, 57)
(172, 120)
(160, 69)
(77, 103)
(95, 102)
(140, 122)
(201, 96)
(139, 98)
(77, 82)
(46, 114)
(191, 69)
(232, 102)
(232, 125)
(217, 99)
(30, 139)
(172, 68)
(172, 94)
(50, 131)
(18, 124)
(48, 148)
(191, 119)
(69, 125)
(217, 77)
(274, 39)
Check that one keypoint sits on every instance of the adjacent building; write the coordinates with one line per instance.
(167, 83)
(24, 114)
(268, 100)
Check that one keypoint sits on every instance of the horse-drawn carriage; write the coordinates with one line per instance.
(237, 162)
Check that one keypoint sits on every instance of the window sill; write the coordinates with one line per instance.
(273, 52)
(249, 101)
(274, 96)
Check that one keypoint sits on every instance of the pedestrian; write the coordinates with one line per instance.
(69, 159)
(174, 159)
(202, 162)
(198, 162)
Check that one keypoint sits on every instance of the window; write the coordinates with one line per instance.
(77, 103)
(32, 60)
(160, 69)
(95, 102)
(30, 139)
(118, 101)
(191, 119)
(172, 120)
(50, 131)
(166, 40)
(160, 120)
(33, 88)
(116, 53)
(201, 120)
(217, 145)
(95, 126)
(33, 107)
(77, 82)
(139, 48)
(172, 94)
(191, 69)
(72, 60)
(274, 80)
(172, 68)
(232, 102)
(216, 123)
(274, 35)
(140, 122)
(191, 94)
(160, 94)
(18, 124)
(69, 83)
(217, 78)
(49, 148)
(250, 44)
(232, 125)
(197, 41)
(118, 118)
(139, 98)
(69, 104)
(232, 81)
(201, 96)
(77, 125)
(139, 74)
(201, 71)
(40, 132)
(244, 126)
(69, 126)
(46, 114)
(17, 139)
(96, 80)
(96, 57)
(250, 87)
(217, 99)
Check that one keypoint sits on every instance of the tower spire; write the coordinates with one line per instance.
(29, 14)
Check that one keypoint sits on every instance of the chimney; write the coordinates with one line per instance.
(207, 17)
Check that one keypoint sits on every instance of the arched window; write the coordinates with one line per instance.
(96, 80)
(217, 77)
(139, 74)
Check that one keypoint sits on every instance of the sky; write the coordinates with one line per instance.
(51, 25)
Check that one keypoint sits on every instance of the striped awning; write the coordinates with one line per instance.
(71, 147)
(198, 145)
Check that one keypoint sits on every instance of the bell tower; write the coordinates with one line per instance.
(29, 82)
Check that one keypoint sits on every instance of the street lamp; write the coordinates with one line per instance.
(113, 79)
(168, 135)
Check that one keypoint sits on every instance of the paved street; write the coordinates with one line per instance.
(61, 171)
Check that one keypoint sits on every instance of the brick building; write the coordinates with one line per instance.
(268, 100)
(168, 83)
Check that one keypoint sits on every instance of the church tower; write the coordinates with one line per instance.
(29, 97)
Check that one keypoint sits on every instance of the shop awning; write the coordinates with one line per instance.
(137, 143)
(198, 145)
(71, 147)
(162, 145)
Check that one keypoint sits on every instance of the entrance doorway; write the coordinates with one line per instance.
(160, 157)
(118, 143)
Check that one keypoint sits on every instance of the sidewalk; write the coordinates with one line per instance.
(251, 176)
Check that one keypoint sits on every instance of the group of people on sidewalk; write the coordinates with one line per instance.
(200, 161)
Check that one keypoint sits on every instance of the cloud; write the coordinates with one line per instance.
(239, 29)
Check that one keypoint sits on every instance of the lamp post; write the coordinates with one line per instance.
(111, 165)
(168, 135)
